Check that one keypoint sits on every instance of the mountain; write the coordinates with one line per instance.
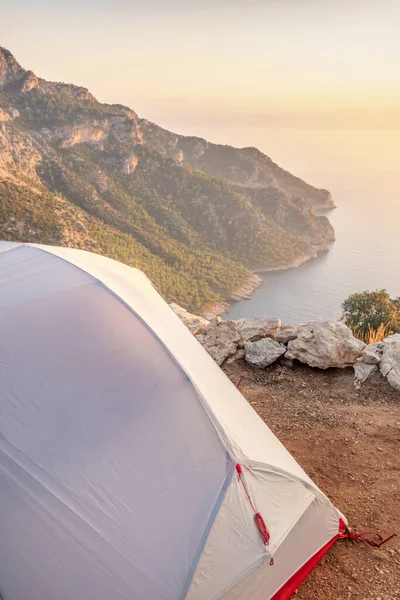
(196, 217)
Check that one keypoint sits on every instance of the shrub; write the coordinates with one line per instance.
(372, 315)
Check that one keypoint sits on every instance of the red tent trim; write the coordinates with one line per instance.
(294, 582)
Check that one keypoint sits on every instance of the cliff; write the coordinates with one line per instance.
(196, 217)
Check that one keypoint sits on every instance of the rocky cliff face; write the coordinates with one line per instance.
(205, 214)
(10, 69)
(246, 167)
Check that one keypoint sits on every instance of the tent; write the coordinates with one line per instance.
(131, 468)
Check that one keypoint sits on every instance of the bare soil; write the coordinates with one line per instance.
(348, 441)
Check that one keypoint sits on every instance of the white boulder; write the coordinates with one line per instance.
(362, 371)
(263, 353)
(377, 347)
(390, 361)
(192, 322)
(256, 328)
(372, 354)
(220, 339)
(325, 345)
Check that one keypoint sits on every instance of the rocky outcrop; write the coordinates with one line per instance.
(239, 354)
(85, 133)
(220, 339)
(4, 116)
(256, 328)
(284, 335)
(192, 322)
(30, 81)
(368, 364)
(129, 164)
(390, 362)
(319, 344)
(247, 289)
(10, 69)
(263, 353)
(80, 226)
(363, 371)
(242, 166)
(325, 345)
(18, 154)
(9, 114)
(98, 132)
(371, 355)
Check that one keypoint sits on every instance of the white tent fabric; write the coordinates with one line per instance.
(119, 440)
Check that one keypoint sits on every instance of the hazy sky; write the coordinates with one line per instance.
(284, 63)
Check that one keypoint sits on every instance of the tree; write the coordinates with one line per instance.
(370, 310)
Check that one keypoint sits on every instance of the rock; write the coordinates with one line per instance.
(10, 69)
(129, 164)
(239, 354)
(370, 356)
(192, 322)
(325, 345)
(220, 339)
(14, 113)
(30, 82)
(390, 361)
(285, 334)
(263, 353)
(256, 328)
(377, 348)
(80, 226)
(362, 371)
(4, 116)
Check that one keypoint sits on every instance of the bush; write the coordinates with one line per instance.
(370, 311)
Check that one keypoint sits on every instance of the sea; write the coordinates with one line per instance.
(361, 168)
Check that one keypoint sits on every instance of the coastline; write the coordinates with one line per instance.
(245, 292)
(293, 265)
(252, 284)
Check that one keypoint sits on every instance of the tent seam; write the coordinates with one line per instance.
(17, 245)
(310, 487)
(207, 531)
(267, 554)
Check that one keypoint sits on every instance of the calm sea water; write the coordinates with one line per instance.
(362, 170)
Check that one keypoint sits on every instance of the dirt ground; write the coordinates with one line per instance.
(348, 441)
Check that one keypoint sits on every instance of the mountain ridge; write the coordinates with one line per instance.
(209, 214)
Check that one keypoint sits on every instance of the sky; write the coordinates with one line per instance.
(238, 63)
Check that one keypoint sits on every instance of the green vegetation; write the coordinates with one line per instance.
(26, 213)
(194, 234)
(372, 315)
(41, 109)
(165, 205)
(191, 277)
